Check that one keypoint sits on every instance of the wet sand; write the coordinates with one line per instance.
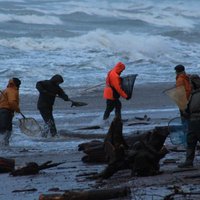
(147, 99)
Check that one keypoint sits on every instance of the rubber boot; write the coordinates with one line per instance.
(189, 159)
(4, 138)
(7, 138)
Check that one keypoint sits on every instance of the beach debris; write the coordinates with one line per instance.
(94, 151)
(169, 161)
(139, 153)
(32, 168)
(145, 118)
(89, 128)
(178, 170)
(25, 190)
(99, 194)
(6, 165)
(138, 123)
(178, 193)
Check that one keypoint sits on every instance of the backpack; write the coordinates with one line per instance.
(194, 81)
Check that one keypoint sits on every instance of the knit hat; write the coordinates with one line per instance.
(179, 68)
(17, 82)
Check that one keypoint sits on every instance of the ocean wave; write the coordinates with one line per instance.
(31, 19)
(180, 15)
(164, 13)
(135, 46)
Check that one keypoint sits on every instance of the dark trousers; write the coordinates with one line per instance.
(110, 106)
(6, 117)
(47, 115)
(193, 135)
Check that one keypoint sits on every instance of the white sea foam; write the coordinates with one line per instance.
(31, 19)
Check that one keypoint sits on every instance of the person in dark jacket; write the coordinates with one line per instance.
(9, 104)
(113, 91)
(192, 113)
(48, 91)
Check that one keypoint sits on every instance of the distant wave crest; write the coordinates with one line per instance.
(31, 19)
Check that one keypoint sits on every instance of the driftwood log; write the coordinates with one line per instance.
(140, 153)
(32, 168)
(6, 165)
(98, 194)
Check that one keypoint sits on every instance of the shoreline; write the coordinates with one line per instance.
(148, 99)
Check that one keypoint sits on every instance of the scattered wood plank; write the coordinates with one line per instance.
(98, 194)
(6, 165)
(179, 170)
(33, 168)
(25, 190)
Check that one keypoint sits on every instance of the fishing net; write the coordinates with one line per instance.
(178, 95)
(177, 131)
(128, 83)
(30, 127)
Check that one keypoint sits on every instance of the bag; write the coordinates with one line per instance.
(194, 81)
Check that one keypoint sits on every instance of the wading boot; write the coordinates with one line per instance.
(189, 159)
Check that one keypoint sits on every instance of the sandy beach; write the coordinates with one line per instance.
(147, 100)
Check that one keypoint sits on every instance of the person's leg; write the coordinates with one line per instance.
(110, 104)
(47, 115)
(6, 117)
(191, 145)
(118, 107)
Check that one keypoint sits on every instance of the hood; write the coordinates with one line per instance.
(14, 82)
(119, 67)
(57, 79)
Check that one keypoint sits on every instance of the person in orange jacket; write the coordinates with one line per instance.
(183, 79)
(113, 91)
(9, 103)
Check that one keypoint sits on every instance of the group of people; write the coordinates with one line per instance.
(50, 89)
(9, 104)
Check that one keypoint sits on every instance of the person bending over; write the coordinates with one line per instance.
(48, 90)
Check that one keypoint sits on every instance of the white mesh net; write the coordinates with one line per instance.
(30, 127)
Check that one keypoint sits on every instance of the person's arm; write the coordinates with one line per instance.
(62, 94)
(13, 101)
(118, 88)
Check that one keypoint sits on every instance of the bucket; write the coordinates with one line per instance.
(178, 128)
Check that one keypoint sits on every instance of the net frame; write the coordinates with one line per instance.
(30, 127)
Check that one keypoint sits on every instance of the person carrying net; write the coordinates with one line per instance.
(9, 104)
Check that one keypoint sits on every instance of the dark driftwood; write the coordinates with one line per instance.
(140, 153)
(179, 170)
(33, 168)
(101, 194)
(183, 194)
(6, 165)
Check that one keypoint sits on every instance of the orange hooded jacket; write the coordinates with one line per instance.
(10, 97)
(113, 80)
(183, 79)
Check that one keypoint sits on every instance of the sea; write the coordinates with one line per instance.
(83, 39)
